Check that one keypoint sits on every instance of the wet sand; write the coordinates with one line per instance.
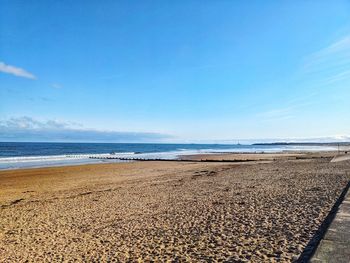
(261, 211)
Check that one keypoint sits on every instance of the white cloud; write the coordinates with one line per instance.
(332, 59)
(340, 45)
(19, 72)
(328, 67)
(56, 85)
(287, 112)
(341, 76)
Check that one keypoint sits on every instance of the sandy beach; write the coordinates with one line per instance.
(264, 210)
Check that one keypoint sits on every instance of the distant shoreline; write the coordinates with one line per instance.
(303, 144)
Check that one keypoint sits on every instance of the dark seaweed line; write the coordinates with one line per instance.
(177, 160)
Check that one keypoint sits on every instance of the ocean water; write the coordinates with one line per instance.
(14, 155)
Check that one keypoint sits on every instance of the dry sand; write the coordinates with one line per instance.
(182, 211)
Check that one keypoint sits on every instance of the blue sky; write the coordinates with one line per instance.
(186, 71)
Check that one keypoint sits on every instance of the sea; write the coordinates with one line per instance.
(16, 155)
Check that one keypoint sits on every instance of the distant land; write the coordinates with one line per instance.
(306, 143)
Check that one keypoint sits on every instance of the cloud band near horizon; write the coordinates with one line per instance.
(31, 130)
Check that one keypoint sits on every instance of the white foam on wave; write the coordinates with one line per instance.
(46, 158)
(55, 160)
(58, 157)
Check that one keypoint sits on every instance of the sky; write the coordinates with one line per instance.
(174, 71)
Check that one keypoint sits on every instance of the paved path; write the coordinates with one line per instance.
(335, 246)
(340, 158)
